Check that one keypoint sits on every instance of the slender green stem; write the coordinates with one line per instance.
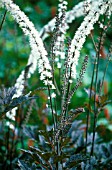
(1, 25)
(88, 112)
(96, 82)
(60, 75)
(94, 43)
(12, 144)
(95, 109)
(54, 117)
(57, 89)
(108, 61)
(64, 112)
(68, 89)
(7, 146)
(55, 107)
(66, 84)
(65, 103)
(51, 104)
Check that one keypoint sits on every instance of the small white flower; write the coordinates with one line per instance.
(46, 82)
(60, 0)
(65, 2)
(10, 125)
(53, 95)
(42, 77)
(70, 81)
(62, 55)
(47, 105)
(101, 25)
(58, 65)
(53, 87)
(56, 59)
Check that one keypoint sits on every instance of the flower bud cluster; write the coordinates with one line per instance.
(70, 17)
(60, 31)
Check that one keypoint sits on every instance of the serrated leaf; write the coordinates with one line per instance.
(103, 131)
(105, 151)
(60, 158)
(75, 160)
(103, 99)
(65, 142)
(41, 156)
(29, 132)
(89, 167)
(110, 148)
(23, 166)
(46, 156)
(81, 141)
(14, 103)
(46, 134)
(26, 151)
(89, 107)
(93, 160)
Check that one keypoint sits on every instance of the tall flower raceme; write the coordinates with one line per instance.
(69, 17)
(84, 30)
(57, 45)
(36, 43)
(38, 54)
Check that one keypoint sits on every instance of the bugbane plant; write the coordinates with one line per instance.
(58, 72)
